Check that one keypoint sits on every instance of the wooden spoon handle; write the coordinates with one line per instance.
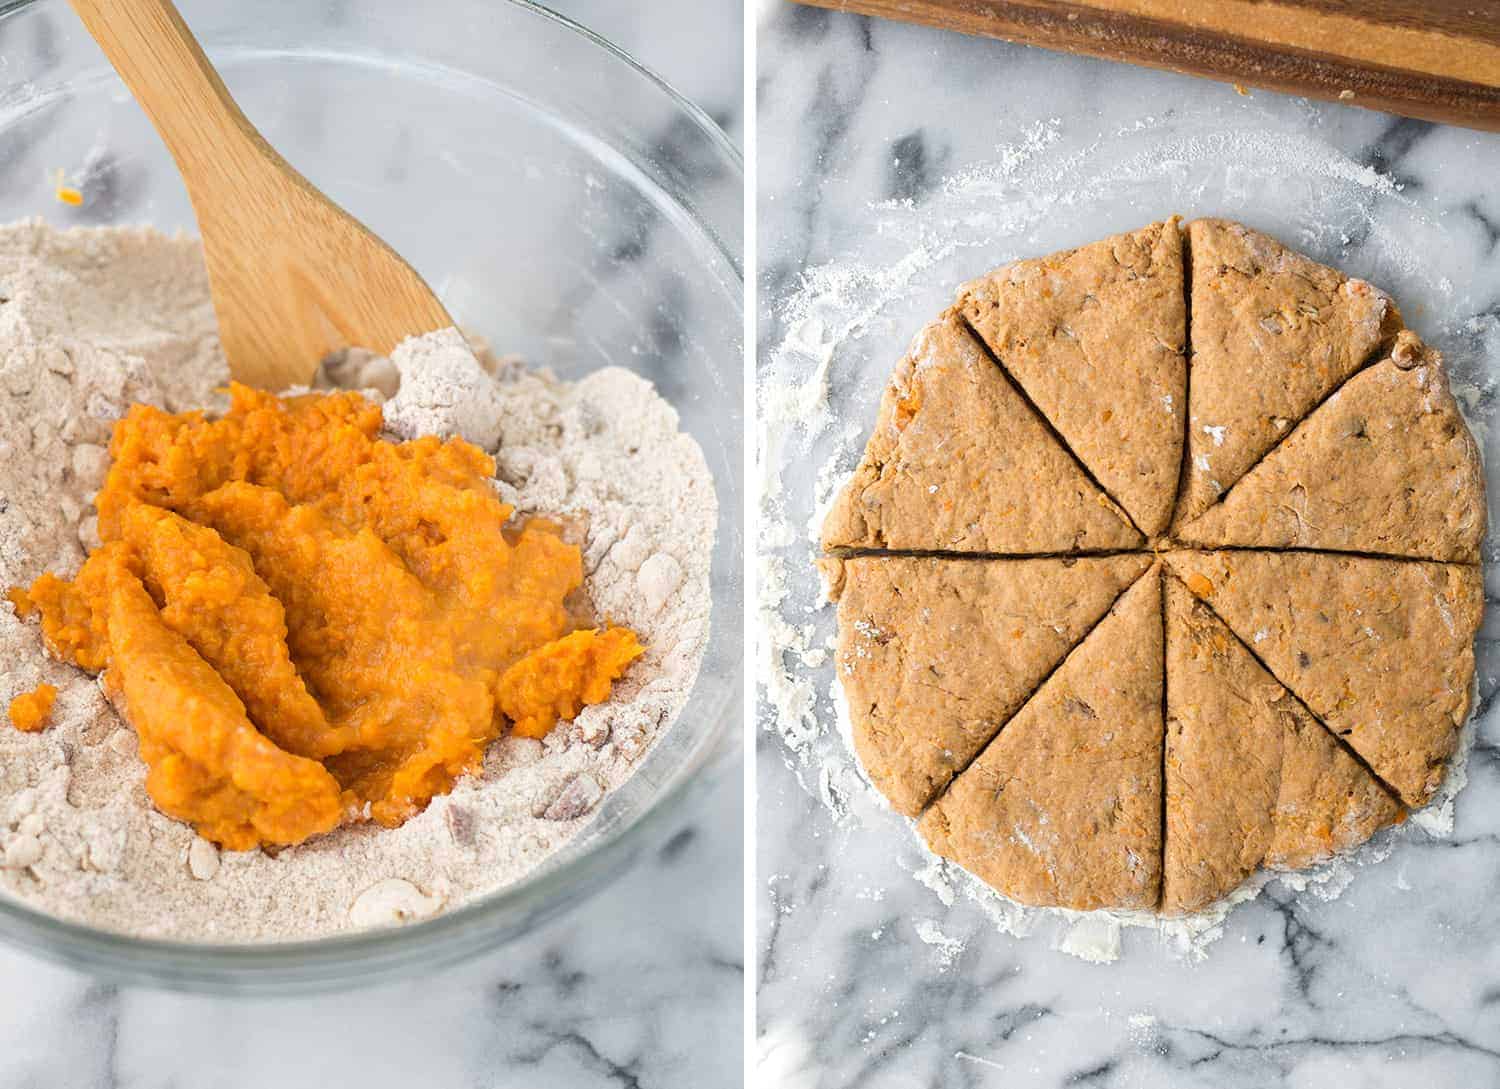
(166, 70)
(293, 275)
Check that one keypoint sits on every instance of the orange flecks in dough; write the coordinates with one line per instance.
(1199, 584)
(30, 711)
(557, 680)
(306, 623)
(908, 407)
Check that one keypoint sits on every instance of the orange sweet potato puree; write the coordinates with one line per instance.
(307, 624)
(30, 711)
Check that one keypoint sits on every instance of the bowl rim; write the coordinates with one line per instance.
(364, 957)
(697, 113)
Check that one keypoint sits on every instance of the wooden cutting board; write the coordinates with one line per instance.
(1434, 59)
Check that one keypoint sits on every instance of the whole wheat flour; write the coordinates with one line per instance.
(93, 320)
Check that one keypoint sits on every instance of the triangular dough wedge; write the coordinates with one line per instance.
(936, 654)
(1095, 337)
(1273, 333)
(959, 462)
(1385, 465)
(1252, 779)
(1382, 651)
(1063, 808)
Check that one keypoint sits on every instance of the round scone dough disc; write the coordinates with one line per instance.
(1382, 651)
(1252, 779)
(958, 462)
(1385, 465)
(1273, 333)
(936, 654)
(1322, 566)
(1063, 808)
(1095, 337)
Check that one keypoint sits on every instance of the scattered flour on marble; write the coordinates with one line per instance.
(1094, 937)
(93, 320)
(945, 949)
(1144, 1030)
(838, 337)
(979, 1060)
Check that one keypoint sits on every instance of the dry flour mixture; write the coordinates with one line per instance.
(94, 320)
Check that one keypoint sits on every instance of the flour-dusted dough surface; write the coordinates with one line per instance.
(1385, 465)
(1273, 333)
(1252, 779)
(1095, 337)
(1329, 519)
(1063, 808)
(958, 462)
(1382, 651)
(936, 654)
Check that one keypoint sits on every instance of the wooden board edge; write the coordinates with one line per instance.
(1174, 48)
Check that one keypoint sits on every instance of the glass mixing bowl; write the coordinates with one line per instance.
(565, 203)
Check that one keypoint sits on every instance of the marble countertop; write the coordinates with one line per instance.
(641, 986)
(895, 162)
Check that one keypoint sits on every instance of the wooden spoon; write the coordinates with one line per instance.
(293, 275)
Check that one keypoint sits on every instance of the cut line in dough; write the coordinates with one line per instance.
(1384, 466)
(1356, 617)
(960, 462)
(1381, 651)
(1252, 778)
(1062, 808)
(936, 655)
(1273, 335)
(1095, 337)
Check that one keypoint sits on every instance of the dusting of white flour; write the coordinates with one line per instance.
(93, 320)
(846, 322)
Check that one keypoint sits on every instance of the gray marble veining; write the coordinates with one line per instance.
(863, 127)
(639, 987)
